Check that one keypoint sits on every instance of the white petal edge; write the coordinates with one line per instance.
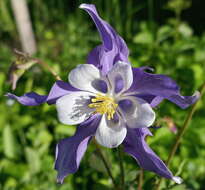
(73, 108)
(83, 6)
(110, 136)
(177, 180)
(124, 70)
(82, 77)
(141, 113)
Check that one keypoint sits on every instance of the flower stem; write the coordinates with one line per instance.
(46, 66)
(119, 149)
(181, 133)
(140, 182)
(106, 165)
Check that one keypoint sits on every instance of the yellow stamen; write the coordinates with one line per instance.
(104, 105)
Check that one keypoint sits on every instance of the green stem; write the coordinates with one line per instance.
(151, 14)
(181, 133)
(121, 167)
(140, 182)
(106, 165)
(46, 66)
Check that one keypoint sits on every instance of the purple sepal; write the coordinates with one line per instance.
(151, 99)
(70, 151)
(58, 90)
(184, 101)
(135, 145)
(113, 48)
(29, 99)
(161, 86)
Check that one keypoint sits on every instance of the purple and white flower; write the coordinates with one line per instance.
(111, 101)
(108, 97)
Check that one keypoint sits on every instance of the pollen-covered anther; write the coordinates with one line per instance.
(104, 105)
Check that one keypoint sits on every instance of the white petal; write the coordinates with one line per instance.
(137, 113)
(121, 72)
(109, 133)
(83, 76)
(177, 180)
(73, 108)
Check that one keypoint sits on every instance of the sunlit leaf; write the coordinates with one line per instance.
(10, 143)
(33, 160)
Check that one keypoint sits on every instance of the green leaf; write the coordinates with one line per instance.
(99, 186)
(185, 30)
(9, 143)
(65, 129)
(164, 32)
(96, 163)
(131, 175)
(11, 183)
(179, 187)
(144, 38)
(33, 160)
(2, 79)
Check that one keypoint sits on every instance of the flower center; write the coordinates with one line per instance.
(104, 105)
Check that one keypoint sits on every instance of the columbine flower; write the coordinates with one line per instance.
(111, 101)
(106, 97)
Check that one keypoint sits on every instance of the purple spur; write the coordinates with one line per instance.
(110, 101)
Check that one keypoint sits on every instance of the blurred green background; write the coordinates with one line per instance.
(167, 35)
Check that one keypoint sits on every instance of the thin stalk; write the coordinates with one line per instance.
(140, 182)
(121, 167)
(106, 165)
(128, 23)
(151, 14)
(178, 20)
(46, 66)
(181, 133)
(117, 16)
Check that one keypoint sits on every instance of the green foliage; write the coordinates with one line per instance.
(28, 135)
